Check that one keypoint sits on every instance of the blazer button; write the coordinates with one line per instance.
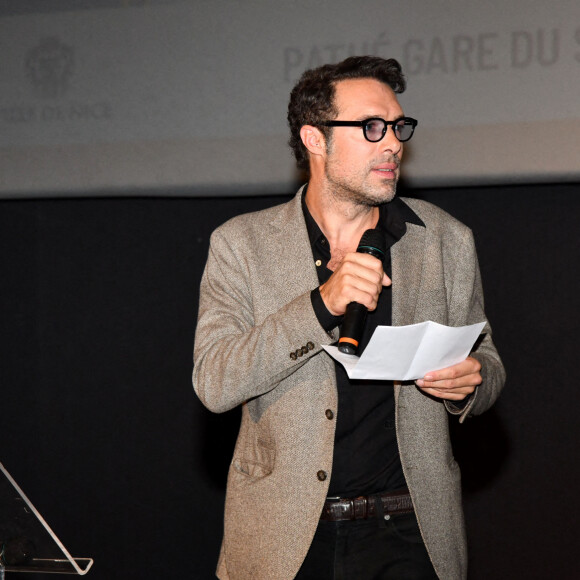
(299, 352)
(304, 350)
(310, 346)
(321, 475)
(329, 414)
(293, 356)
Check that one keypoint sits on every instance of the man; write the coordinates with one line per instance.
(333, 478)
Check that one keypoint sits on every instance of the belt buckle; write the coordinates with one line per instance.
(344, 505)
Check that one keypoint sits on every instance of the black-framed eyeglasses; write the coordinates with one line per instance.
(375, 128)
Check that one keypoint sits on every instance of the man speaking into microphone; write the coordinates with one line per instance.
(335, 478)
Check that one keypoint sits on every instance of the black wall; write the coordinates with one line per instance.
(100, 426)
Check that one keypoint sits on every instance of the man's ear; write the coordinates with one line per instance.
(313, 140)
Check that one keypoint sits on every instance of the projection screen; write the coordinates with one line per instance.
(126, 97)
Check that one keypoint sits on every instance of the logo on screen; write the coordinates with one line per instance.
(49, 65)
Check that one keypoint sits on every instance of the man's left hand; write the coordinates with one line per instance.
(453, 383)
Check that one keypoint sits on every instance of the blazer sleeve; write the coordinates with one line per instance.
(467, 307)
(237, 358)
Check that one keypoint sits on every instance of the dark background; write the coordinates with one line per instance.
(101, 428)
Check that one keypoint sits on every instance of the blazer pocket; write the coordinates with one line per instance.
(258, 459)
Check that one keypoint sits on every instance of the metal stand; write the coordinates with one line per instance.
(28, 543)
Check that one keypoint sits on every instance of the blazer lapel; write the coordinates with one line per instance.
(289, 230)
(407, 256)
(407, 274)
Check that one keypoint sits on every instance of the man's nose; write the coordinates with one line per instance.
(390, 142)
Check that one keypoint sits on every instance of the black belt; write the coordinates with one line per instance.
(359, 508)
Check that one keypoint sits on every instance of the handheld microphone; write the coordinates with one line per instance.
(373, 243)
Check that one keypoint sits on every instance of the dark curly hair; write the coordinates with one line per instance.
(312, 98)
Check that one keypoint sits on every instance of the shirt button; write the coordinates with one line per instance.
(321, 475)
(318, 262)
(329, 414)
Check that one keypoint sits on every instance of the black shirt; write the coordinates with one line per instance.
(366, 457)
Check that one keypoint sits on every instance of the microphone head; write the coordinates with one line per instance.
(373, 242)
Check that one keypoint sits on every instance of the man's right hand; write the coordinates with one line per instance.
(358, 278)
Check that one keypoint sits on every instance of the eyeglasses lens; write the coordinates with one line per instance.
(375, 130)
(403, 130)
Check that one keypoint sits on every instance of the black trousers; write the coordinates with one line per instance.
(375, 549)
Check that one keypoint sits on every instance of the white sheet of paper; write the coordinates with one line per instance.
(404, 353)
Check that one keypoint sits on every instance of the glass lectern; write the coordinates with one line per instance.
(27, 544)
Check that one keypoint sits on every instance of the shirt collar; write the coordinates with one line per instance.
(393, 217)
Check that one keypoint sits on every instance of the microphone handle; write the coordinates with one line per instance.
(353, 325)
(372, 242)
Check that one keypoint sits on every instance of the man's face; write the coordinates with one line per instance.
(357, 170)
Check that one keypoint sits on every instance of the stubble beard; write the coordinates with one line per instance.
(352, 188)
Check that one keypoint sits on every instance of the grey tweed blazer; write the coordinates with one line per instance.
(255, 310)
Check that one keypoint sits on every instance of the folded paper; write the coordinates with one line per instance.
(408, 352)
